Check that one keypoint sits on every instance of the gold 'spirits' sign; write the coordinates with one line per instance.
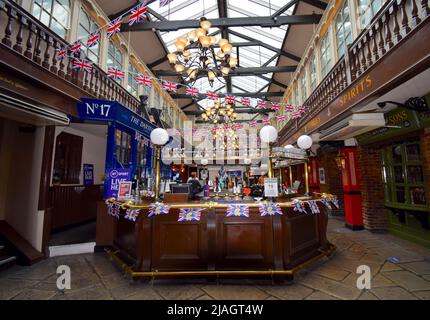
(357, 90)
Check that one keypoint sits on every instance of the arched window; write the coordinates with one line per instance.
(303, 86)
(325, 55)
(343, 29)
(53, 13)
(313, 73)
(114, 57)
(367, 10)
(132, 85)
(87, 26)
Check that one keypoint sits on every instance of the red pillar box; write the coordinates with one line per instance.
(314, 183)
(351, 187)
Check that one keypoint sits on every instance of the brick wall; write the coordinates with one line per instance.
(372, 192)
(333, 177)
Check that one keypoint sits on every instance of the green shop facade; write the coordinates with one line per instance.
(405, 166)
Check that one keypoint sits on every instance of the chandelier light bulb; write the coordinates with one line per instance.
(211, 75)
(179, 68)
(227, 48)
(221, 54)
(232, 62)
(172, 58)
(222, 42)
(225, 71)
(180, 46)
(187, 54)
(205, 41)
(183, 40)
(200, 32)
(205, 24)
(213, 40)
(192, 35)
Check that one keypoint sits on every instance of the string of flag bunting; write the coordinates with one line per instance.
(136, 15)
(232, 210)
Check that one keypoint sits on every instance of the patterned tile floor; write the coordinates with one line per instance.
(94, 276)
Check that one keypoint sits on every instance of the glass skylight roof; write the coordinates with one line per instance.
(249, 57)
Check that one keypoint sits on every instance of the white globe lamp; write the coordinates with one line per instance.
(268, 134)
(159, 136)
(289, 146)
(204, 162)
(304, 142)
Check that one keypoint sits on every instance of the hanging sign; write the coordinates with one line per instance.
(270, 187)
(114, 177)
(88, 174)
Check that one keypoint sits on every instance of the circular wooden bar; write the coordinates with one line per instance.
(218, 245)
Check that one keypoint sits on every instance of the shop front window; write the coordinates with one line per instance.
(402, 174)
(123, 148)
(54, 14)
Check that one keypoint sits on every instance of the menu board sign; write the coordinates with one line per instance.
(270, 187)
(114, 177)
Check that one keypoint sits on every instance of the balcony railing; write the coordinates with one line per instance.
(395, 20)
(28, 37)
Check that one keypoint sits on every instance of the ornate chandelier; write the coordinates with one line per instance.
(198, 55)
(220, 113)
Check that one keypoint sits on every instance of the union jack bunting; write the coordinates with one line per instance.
(266, 121)
(246, 101)
(113, 27)
(252, 123)
(82, 65)
(115, 73)
(113, 210)
(237, 210)
(164, 3)
(76, 46)
(211, 95)
(335, 202)
(261, 103)
(270, 209)
(61, 53)
(138, 14)
(170, 86)
(156, 209)
(238, 126)
(230, 99)
(313, 206)
(142, 79)
(301, 109)
(132, 214)
(295, 115)
(93, 39)
(191, 91)
(189, 214)
(326, 202)
(289, 108)
(281, 118)
(276, 106)
(298, 206)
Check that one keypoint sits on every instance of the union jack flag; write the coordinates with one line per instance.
(114, 27)
(156, 209)
(261, 103)
(164, 3)
(189, 214)
(170, 86)
(230, 99)
(301, 109)
(115, 73)
(276, 106)
(281, 118)
(252, 123)
(93, 39)
(138, 13)
(238, 126)
(270, 209)
(62, 53)
(313, 206)
(298, 206)
(142, 79)
(191, 91)
(75, 46)
(289, 108)
(335, 202)
(132, 214)
(211, 95)
(295, 115)
(246, 101)
(326, 202)
(113, 210)
(82, 65)
(266, 121)
(237, 210)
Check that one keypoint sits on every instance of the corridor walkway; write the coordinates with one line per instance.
(94, 276)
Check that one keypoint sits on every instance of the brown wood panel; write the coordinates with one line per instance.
(244, 242)
(105, 226)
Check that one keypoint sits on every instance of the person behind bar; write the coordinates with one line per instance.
(196, 187)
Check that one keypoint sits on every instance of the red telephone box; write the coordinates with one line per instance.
(314, 182)
(351, 180)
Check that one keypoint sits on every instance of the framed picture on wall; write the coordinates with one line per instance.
(321, 172)
(124, 189)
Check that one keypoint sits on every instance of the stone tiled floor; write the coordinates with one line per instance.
(94, 276)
